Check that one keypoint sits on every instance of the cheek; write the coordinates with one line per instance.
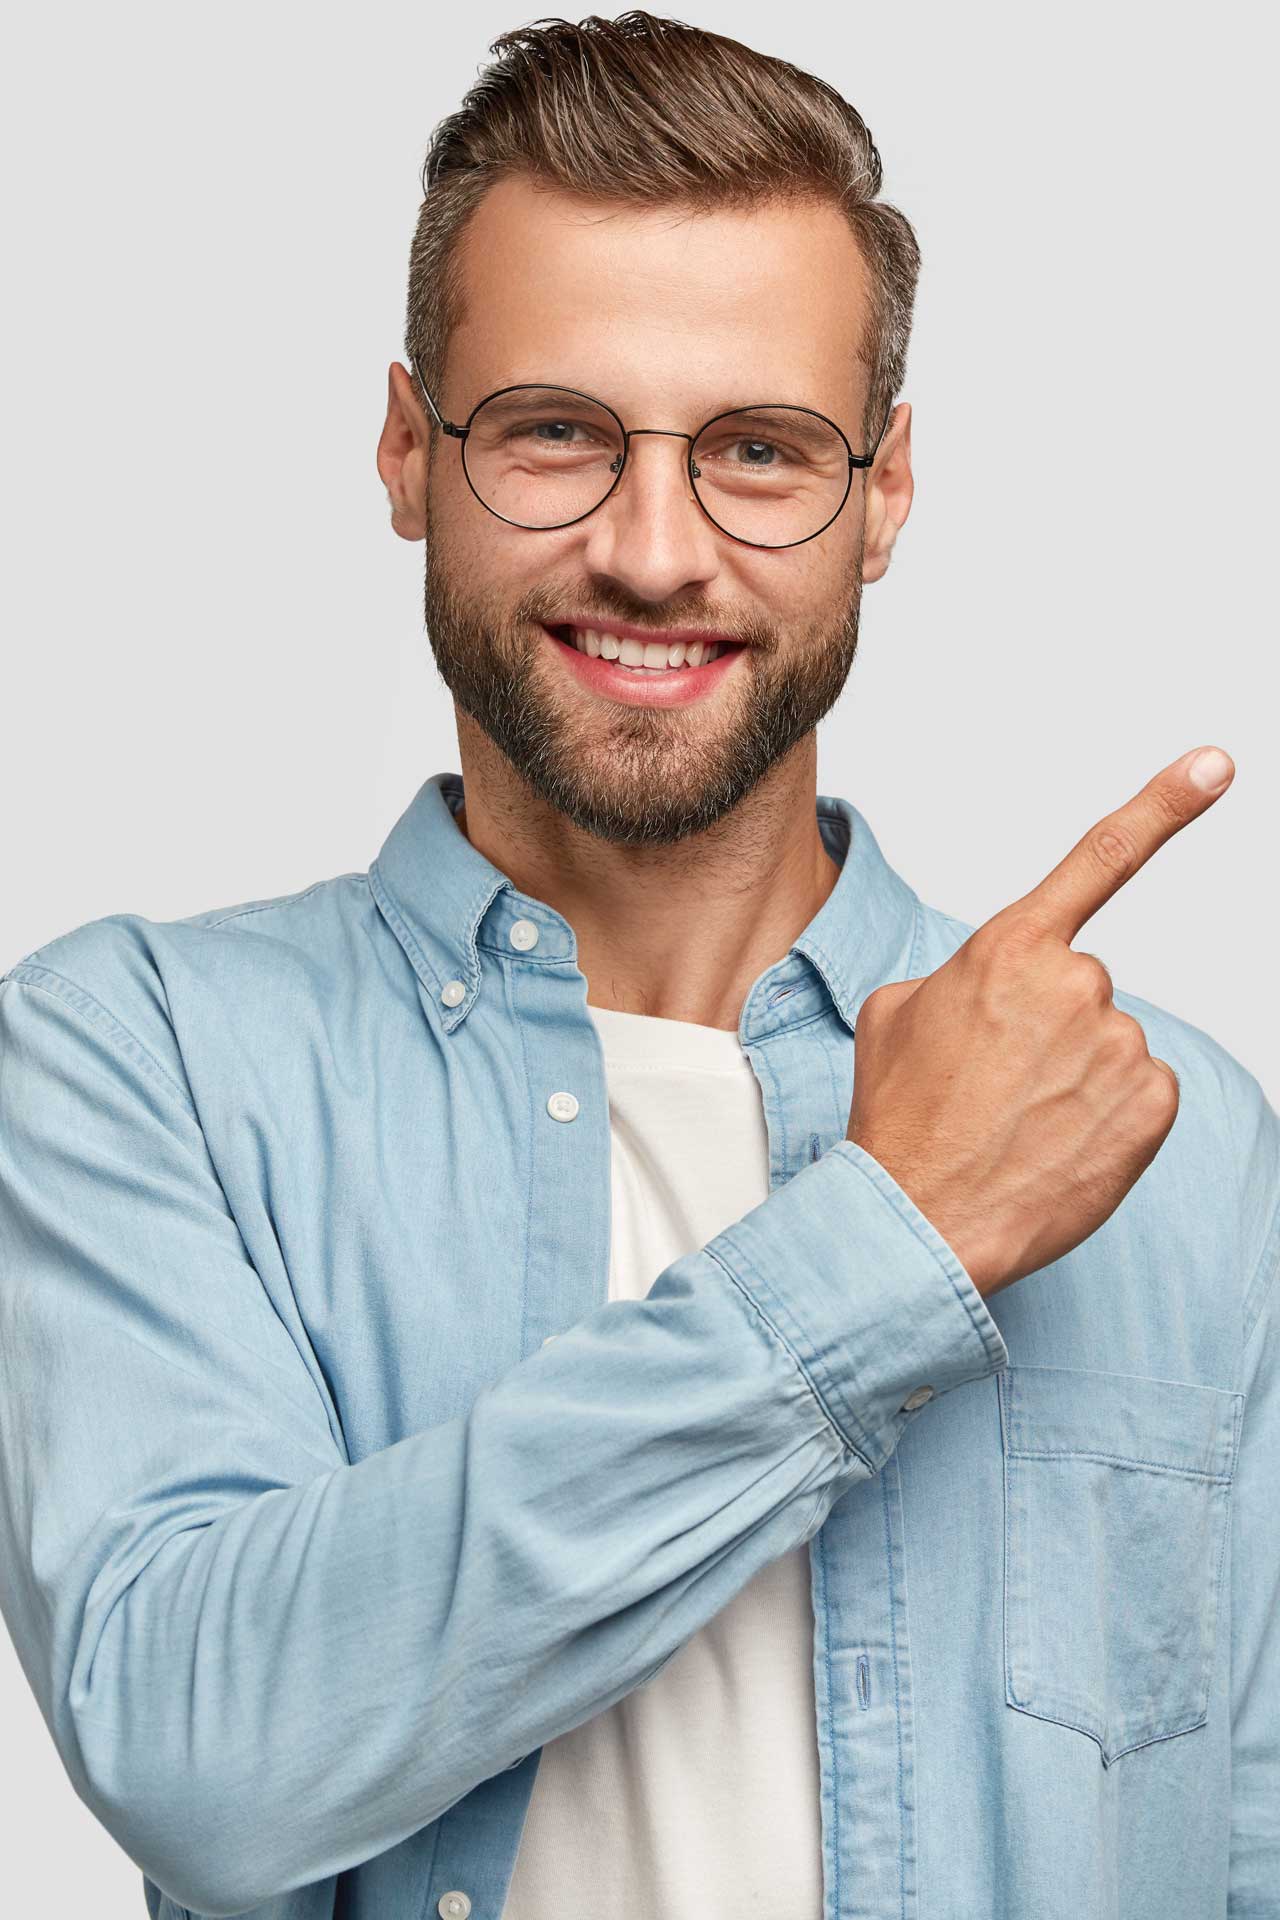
(480, 558)
(804, 587)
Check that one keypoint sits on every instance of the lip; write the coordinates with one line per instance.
(605, 678)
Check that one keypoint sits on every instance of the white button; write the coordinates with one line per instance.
(452, 992)
(550, 1337)
(562, 1106)
(453, 1906)
(917, 1399)
(523, 935)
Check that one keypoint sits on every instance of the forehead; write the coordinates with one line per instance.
(766, 302)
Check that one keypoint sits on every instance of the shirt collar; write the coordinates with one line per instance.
(446, 902)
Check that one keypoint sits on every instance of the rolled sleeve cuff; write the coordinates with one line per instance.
(875, 1307)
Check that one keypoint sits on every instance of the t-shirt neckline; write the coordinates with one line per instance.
(647, 1040)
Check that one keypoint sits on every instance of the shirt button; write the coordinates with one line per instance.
(452, 992)
(523, 935)
(453, 1906)
(562, 1106)
(916, 1399)
(550, 1337)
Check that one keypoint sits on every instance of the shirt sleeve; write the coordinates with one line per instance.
(1254, 1880)
(262, 1663)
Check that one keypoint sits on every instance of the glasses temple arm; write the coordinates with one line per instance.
(439, 418)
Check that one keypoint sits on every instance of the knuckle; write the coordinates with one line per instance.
(1112, 847)
(1130, 1037)
(1125, 1047)
(1080, 984)
(1164, 1090)
(1092, 979)
(1172, 803)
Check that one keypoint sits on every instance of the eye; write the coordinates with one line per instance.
(760, 453)
(554, 433)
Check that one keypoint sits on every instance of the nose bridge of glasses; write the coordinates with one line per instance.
(666, 433)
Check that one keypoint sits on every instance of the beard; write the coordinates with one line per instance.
(634, 776)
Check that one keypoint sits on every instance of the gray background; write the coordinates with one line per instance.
(216, 683)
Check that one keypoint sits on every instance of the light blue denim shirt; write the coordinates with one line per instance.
(332, 1484)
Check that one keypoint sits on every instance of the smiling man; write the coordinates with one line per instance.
(637, 691)
(504, 1414)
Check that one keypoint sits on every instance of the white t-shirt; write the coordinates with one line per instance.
(695, 1797)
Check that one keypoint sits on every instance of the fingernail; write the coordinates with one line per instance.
(1211, 770)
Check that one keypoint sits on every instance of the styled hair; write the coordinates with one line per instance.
(654, 112)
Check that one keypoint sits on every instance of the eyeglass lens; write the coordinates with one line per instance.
(542, 457)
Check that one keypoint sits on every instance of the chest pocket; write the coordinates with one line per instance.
(1116, 1506)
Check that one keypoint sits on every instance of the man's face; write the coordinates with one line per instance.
(669, 318)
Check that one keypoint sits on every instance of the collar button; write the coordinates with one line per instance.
(523, 935)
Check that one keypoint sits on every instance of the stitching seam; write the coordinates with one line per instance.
(95, 1014)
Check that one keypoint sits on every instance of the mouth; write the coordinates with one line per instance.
(654, 673)
(643, 656)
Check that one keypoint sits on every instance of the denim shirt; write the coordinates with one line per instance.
(332, 1484)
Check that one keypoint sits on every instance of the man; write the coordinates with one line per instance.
(499, 1417)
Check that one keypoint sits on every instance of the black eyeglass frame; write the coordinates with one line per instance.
(460, 433)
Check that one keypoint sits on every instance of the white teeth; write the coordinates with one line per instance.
(651, 656)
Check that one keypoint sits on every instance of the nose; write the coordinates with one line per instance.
(651, 536)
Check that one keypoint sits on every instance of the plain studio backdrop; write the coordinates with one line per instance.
(216, 682)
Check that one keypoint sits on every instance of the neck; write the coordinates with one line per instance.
(679, 932)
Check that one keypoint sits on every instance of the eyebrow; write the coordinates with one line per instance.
(563, 386)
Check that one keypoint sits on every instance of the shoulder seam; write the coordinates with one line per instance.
(59, 987)
(279, 900)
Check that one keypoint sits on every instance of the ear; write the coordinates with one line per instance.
(404, 458)
(888, 497)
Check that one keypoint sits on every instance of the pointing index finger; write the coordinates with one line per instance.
(1117, 845)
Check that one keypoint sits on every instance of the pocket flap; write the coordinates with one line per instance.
(1130, 1418)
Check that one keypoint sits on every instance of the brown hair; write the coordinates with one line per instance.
(656, 112)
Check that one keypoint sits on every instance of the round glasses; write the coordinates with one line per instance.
(540, 457)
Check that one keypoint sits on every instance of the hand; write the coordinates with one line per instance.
(1006, 1093)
